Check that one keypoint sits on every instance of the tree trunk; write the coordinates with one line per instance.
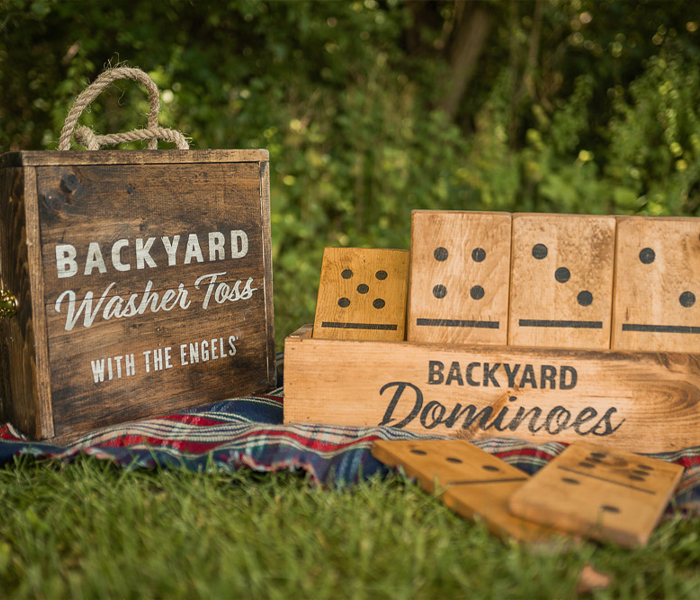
(469, 38)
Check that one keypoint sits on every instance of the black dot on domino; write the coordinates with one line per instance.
(478, 254)
(379, 303)
(490, 468)
(381, 275)
(344, 302)
(609, 508)
(419, 452)
(477, 292)
(439, 291)
(363, 288)
(687, 299)
(585, 298)
(539, 251)
(347, 274)
(453, 459)
(647, 256)
(440, 254)
(587, 465)
(570, 481)
(562, 274)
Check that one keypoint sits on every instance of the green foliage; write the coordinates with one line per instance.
(655, 139)
(583, 106)
(92, 530)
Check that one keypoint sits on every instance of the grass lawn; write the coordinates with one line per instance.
(92, 530)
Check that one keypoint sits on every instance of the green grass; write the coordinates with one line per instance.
(92, 530)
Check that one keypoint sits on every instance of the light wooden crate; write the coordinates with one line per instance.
(636, 401)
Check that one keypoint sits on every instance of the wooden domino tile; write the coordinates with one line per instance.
(561, 281)
(460, 270)
(472, 482)
(593, 491)
(657, 285)
(362, 295)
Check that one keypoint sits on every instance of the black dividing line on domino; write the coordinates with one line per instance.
(479, 481)
(570, 324)
(458, 323)
(660, 328)
(627, 485)
(338, 325)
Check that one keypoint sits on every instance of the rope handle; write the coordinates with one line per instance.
(87, 137)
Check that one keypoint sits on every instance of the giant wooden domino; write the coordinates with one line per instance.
(362, 295)
(459, 289)
(655, 293)
(540, 327)
(587, 490)
(470, 481)
(561, 281)
(614, 496)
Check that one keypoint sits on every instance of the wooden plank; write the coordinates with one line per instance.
(460, 271)
(19, 364)
(43, 406)
(362, 294)
(130, 157)
(657, 285)
(561, 281)
(169, 267)
(587, 489)
(647, 402)
(266, 236)
(470, 481)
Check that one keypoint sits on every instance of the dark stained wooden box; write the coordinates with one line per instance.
(143, 281)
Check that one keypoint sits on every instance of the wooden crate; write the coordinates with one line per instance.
(636, 401)
(143, 282)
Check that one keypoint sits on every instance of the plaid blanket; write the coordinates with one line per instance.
(248, 432)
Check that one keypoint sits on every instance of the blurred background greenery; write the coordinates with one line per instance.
(373, 108)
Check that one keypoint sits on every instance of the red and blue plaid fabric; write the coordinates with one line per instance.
(248, 432)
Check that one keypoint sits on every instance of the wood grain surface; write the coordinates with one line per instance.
(592, 491)
(460, 272)
(362, 294)
(657, 285)
(151, 279)
(24, 362)
(18, 363)
(468, 480)
(130, 157)
(561, 281)
(645, 402)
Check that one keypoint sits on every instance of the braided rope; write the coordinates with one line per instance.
(86, 137)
